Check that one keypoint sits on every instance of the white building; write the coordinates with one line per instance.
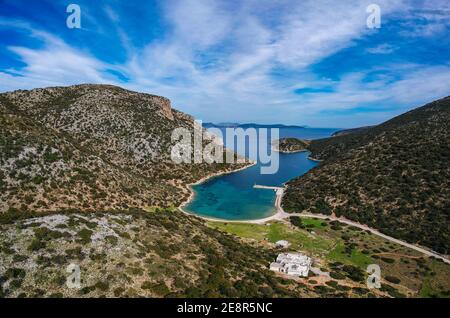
(294, 264)
(282, 244)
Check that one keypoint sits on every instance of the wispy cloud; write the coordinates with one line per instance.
(245, 61)
(53, 64)
(384, 48)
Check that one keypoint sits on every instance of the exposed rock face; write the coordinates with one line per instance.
(166, 108)
(90, 147)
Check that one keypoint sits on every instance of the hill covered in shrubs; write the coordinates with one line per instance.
(139, 254)
(394, 177)
(92, 147)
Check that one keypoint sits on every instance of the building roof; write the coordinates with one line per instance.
(292, 264)
(295, 258)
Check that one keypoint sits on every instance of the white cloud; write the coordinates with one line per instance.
(419, 84)
(54, 64)
(384, 48)
(218, 60)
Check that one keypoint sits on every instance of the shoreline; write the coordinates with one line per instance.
(305, 149)
(279, 214)
(288, 152)
(206, 178)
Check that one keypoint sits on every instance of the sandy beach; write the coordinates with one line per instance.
(206, 178)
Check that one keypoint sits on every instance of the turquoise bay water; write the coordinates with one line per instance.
(232, 196)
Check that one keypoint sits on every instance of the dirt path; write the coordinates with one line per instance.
(397, 254)
(281, 215)
(376, 232)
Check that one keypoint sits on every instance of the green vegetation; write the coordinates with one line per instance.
(300, 239)
(392, 279)
(167, 254)
(277, 231)
(393, 177)
(85, 236)
(114, 156)
(434, 284)
(346, 251)
(354, 256)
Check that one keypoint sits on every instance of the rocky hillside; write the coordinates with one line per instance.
(91, 147)
(130, 254)
(394, 177)
(351, 131)
(141, 254)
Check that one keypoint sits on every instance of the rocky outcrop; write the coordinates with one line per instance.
(90, 147)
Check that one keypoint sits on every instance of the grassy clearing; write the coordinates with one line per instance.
(157, 209)
(244, 230)
(273, 232)
(314, 223)
(436, 285)
(300, 239)
(356, 257)
(418, 276)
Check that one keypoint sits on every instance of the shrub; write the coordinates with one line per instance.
(335, 227)
(297, 221)
(111, 239)
(75, 253)
(388, 260)
(16, 283)
(15, 272)
(337, 275)
(85, 236)
(160, 289)
(147, 285)
(19, 258)
(393, 279)
(332, 283)
(354, 273)
(46, 234)
(118, 291)
(102, 285)
(36, 245)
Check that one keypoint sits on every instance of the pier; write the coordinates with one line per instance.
(257, 186)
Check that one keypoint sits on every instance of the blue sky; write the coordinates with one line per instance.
(303, 62)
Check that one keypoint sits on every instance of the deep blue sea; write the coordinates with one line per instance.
(232, 196)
